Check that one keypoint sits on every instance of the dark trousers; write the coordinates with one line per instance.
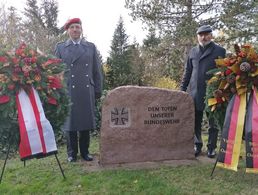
(213, 131)
(72, 142)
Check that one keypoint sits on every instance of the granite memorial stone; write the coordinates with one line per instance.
(141, 124)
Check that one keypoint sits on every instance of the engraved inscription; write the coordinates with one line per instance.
(162, 115)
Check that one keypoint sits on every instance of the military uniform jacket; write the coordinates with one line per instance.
(198, 63)
(84, 80)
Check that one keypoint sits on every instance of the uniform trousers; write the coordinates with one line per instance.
(213, 132)
(72, 143)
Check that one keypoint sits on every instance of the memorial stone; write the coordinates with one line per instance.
(141, 124)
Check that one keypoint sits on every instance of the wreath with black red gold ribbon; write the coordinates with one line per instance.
(24, 68)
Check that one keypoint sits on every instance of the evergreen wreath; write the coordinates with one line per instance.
(235, 74)
(21, 69)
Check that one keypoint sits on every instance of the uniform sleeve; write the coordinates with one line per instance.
(97, 74)
(187, 75)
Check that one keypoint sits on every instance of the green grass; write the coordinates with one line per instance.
(42, 176)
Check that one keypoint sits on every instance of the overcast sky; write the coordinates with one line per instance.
(99, 19)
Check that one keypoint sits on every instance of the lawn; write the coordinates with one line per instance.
(42, 176)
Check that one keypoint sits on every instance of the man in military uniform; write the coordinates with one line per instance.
(84, 82)
(200, 60)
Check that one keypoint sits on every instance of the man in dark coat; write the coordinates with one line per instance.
(84, 82)
(200, 60)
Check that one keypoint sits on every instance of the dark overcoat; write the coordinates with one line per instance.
(196, 67)
(84, 80)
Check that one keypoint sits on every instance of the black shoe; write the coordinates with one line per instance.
(87, 157)
(211, 153)
(71, 159)
(197, 151)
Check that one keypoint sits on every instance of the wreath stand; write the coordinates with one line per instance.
(215, 164)
(7, 154)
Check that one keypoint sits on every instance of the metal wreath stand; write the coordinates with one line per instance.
(8, 152)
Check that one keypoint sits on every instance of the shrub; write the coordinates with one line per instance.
(166, 82)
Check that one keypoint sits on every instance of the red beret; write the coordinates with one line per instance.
(71, 21)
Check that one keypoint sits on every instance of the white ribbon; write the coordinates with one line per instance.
(36, 133)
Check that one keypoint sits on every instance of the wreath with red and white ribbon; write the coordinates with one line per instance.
(23, 69)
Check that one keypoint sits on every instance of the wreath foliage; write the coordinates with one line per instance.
(21, 69)
(235, 74)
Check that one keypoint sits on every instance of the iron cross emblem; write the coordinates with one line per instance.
(119, 116)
